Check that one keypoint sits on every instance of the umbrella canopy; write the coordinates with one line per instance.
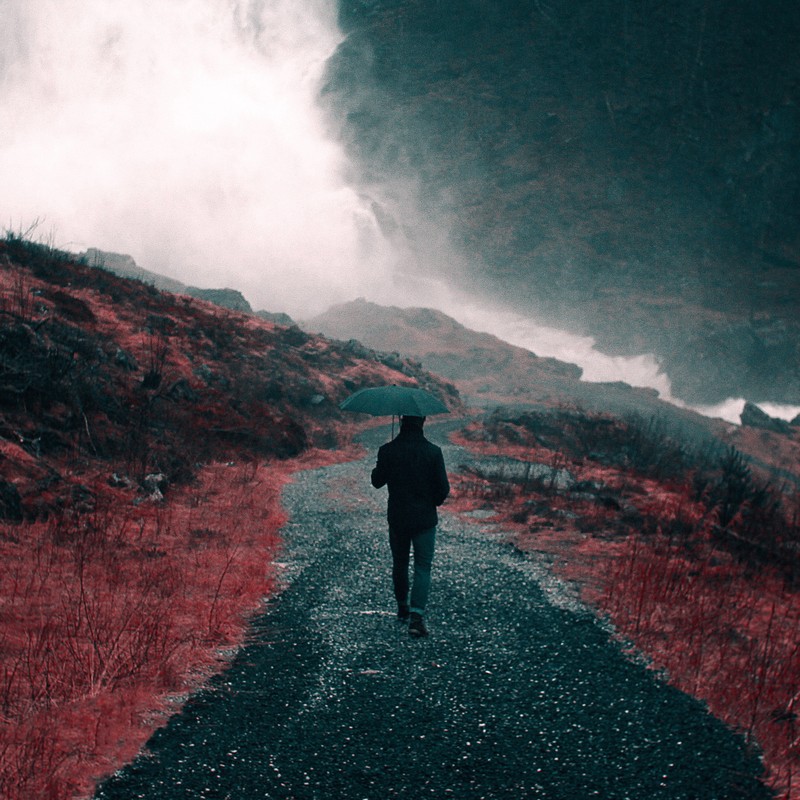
(382, 401)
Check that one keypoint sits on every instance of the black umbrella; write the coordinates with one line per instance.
(382, 401)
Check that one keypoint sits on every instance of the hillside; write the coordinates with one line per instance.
(623, 170)
(115, 374)
(490, 372)
(144, 440)
(125, 266)
(486, 369)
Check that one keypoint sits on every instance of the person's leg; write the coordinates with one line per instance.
(424, 544)
(400, 543)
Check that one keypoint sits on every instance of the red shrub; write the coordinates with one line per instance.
(729, 638)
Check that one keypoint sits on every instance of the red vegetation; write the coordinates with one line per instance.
(105, 612)
(693, 560)
(144, 439)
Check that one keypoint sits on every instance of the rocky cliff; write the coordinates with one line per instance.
(629, 170)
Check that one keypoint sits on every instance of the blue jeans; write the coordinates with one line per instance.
(423, 543)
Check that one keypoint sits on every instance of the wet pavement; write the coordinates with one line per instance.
(519, 692)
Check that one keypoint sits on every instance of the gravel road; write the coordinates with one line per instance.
(518, 692)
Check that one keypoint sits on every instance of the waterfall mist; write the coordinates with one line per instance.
(187, 135)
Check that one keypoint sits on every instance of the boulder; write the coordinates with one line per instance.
(10, 502)
(227, 298)
(155, 484)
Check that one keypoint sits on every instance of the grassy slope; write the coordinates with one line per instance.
(121, 591)
(484, 368)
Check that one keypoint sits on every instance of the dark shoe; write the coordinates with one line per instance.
(402, 613)
(416, 627)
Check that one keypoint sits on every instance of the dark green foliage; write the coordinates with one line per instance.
(749, 513)
(646, 446)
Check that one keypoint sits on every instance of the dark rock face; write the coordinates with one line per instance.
(754, 417)
(629, 171)
(735, 357)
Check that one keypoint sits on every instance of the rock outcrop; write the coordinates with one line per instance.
(227, 298)
(753, 417)
(126, 267)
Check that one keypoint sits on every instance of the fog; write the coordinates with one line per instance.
(188, 135)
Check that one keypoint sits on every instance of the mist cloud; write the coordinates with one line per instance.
(187, 135)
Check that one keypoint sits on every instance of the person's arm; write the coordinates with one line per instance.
(441, 485)
(379, 472)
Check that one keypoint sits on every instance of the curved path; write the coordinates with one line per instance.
(517, 693)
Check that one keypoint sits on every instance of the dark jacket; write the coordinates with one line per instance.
(413, 469)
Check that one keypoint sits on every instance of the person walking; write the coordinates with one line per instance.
(414, 471)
